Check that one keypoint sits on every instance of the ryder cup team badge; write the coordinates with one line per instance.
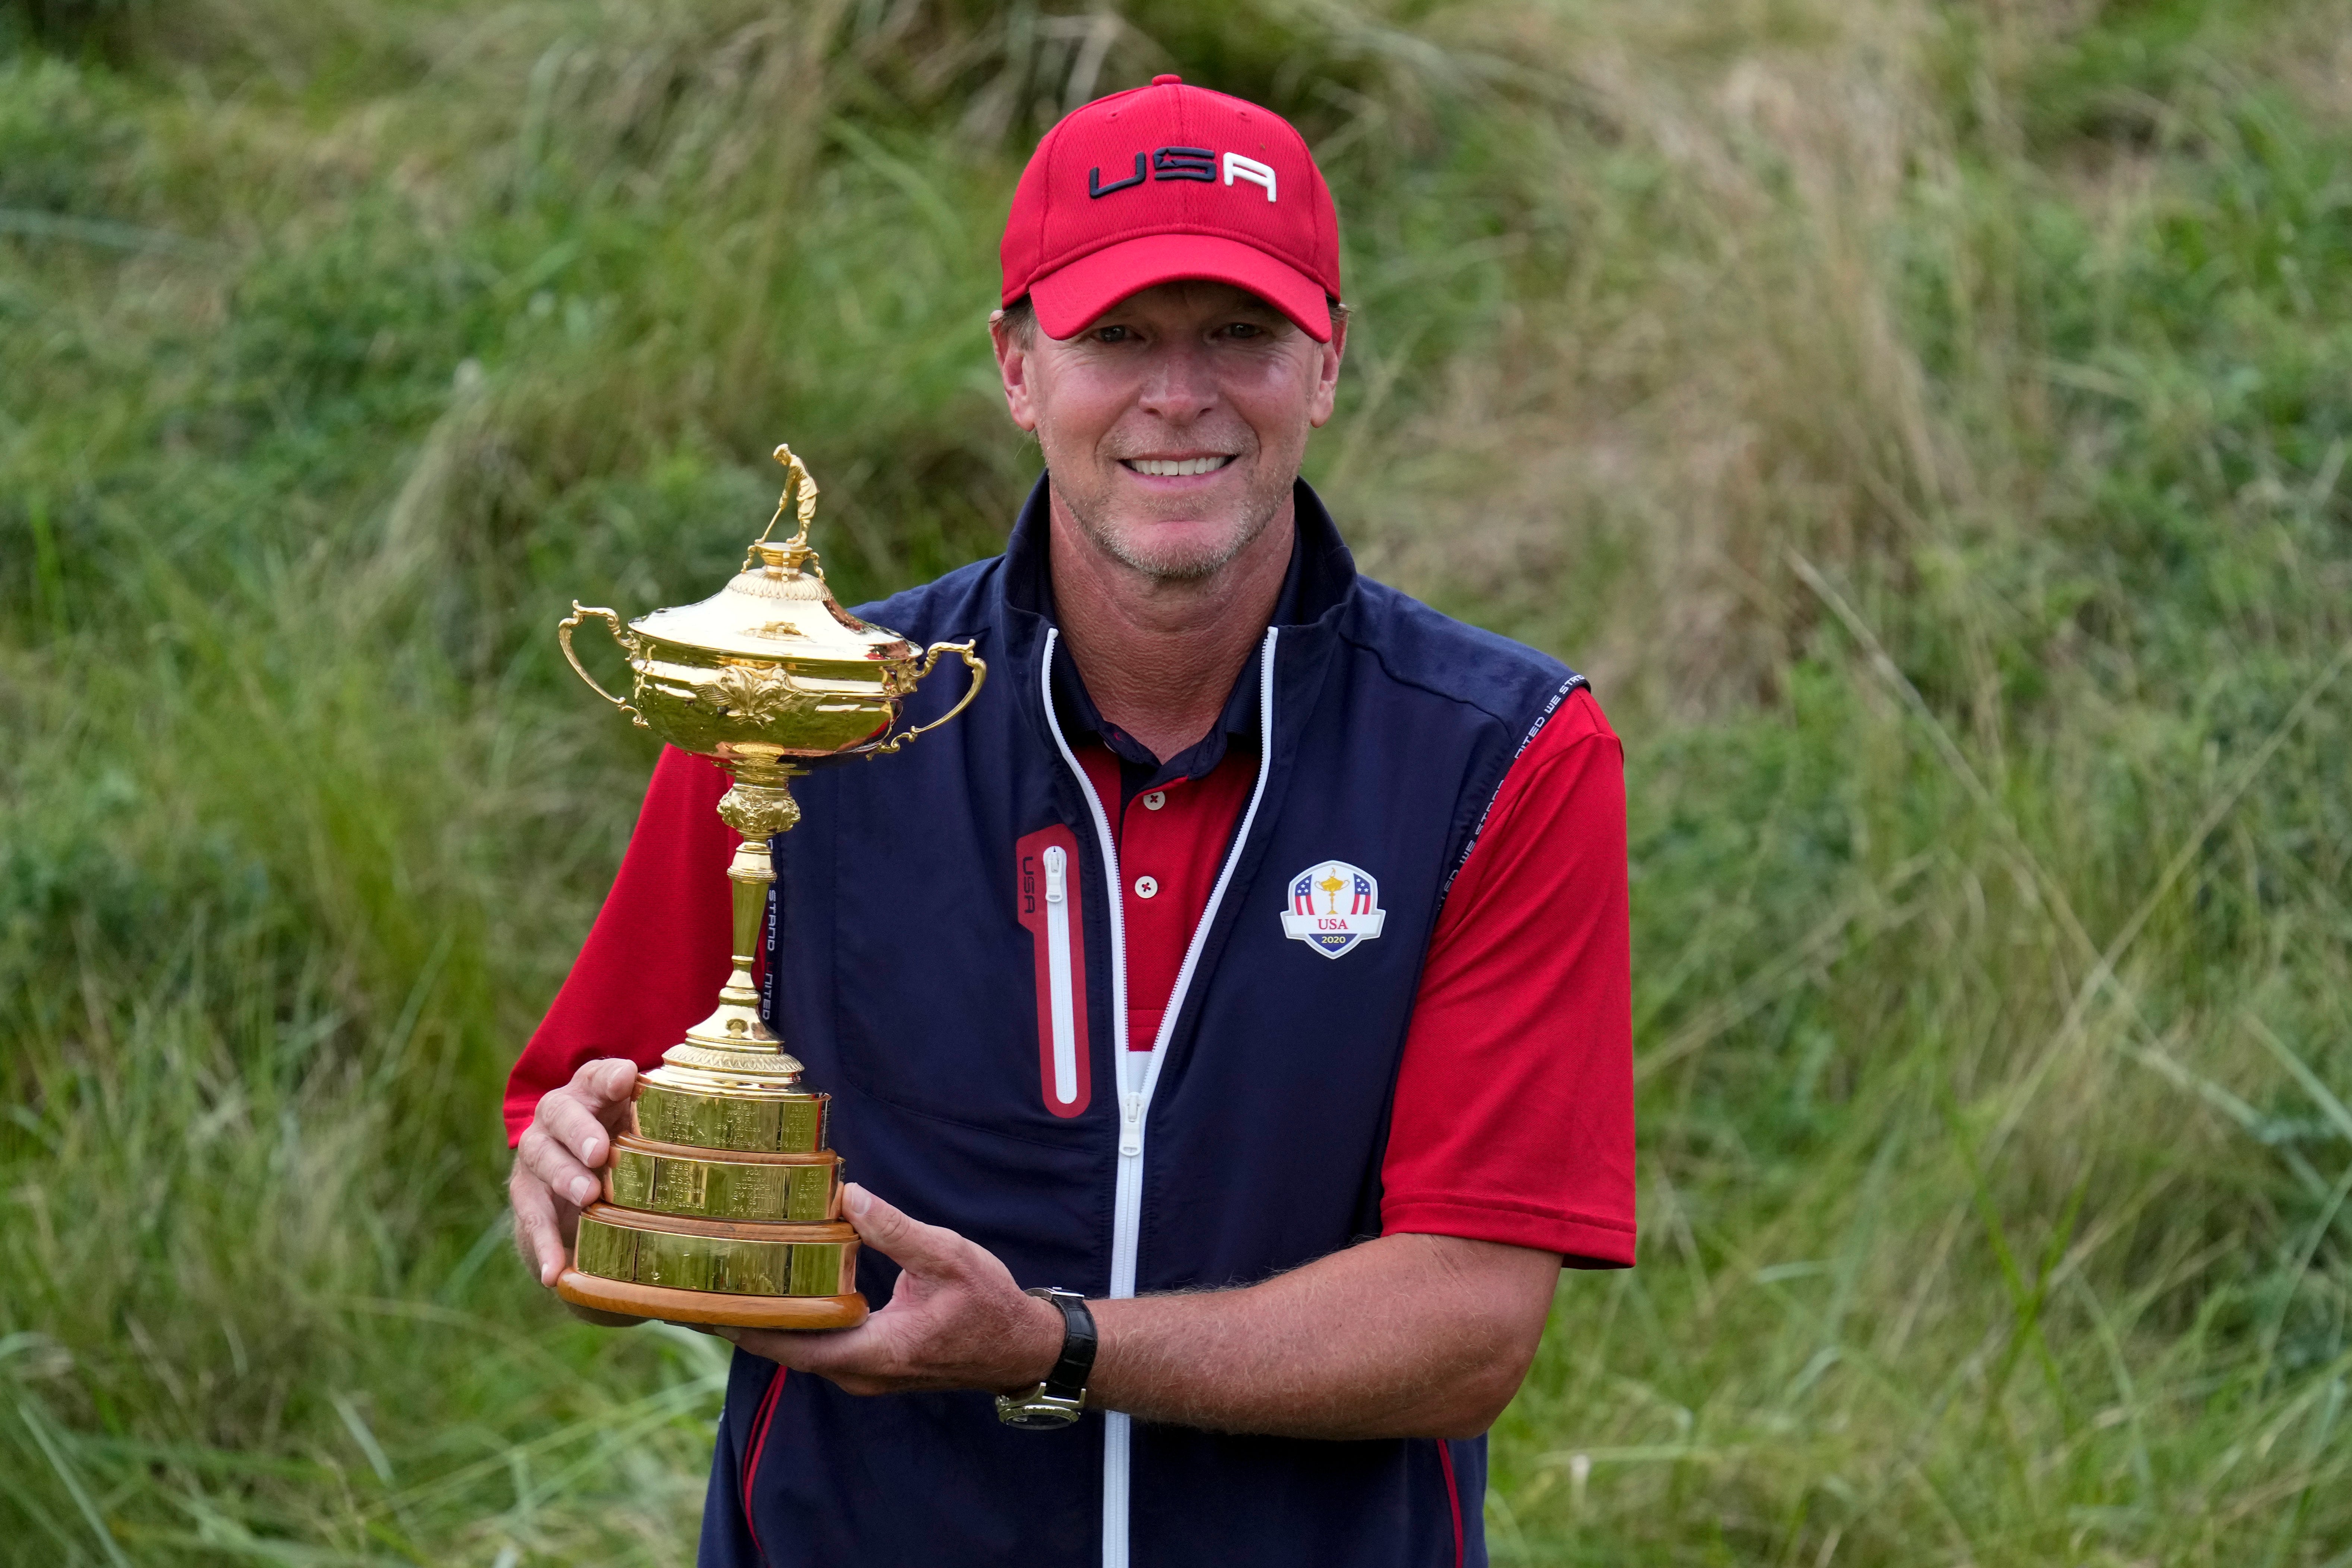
(1333, 906)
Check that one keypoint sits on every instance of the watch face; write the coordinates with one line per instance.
(1039, 1416)
(1045, 1417)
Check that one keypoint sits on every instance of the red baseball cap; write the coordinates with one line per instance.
(1170, 181)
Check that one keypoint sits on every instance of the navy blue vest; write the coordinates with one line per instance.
(904, 974)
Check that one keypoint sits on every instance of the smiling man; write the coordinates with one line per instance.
(1245, 979)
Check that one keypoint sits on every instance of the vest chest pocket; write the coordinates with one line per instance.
(1047, 900)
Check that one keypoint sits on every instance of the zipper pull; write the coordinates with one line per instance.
(1057, 887)
(1130, 1136)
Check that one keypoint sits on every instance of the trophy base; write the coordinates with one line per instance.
(618, 1300)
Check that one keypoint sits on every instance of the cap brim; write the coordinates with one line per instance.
(1068, 299)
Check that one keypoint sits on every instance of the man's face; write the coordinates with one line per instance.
(1175, 421)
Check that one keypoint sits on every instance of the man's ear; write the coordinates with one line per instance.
(1327, 378)
(1012, 365)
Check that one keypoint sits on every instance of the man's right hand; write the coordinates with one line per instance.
(558, 1157)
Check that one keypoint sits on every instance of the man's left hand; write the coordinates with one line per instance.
(955, 1318)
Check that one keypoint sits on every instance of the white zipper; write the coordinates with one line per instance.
(1134, 1099)
(1057, 977)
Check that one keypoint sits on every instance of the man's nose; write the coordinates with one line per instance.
(1178, 385)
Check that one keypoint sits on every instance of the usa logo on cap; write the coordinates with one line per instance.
(1333, 906)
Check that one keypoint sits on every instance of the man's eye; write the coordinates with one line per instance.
(1245, 330)
(1112, 334)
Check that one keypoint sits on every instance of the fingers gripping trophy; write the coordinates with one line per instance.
(722, 1196)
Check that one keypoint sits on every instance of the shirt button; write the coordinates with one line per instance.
(1155, 800)
(1145, 887)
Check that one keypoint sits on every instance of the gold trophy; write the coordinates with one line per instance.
(722, 1197)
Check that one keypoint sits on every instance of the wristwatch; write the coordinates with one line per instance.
(1057, 1400)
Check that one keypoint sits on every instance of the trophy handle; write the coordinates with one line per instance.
(563, 630)
(974, 662)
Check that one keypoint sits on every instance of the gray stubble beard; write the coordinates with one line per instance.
(1261, 510)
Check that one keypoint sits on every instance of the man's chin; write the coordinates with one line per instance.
(1180, 549)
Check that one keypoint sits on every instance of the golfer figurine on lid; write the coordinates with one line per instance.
(722, 1197)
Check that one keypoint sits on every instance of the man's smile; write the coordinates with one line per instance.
(1176, 467)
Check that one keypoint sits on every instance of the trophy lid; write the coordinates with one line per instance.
(778, 607)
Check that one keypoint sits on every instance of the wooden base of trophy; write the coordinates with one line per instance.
(635, 1263)
(619, 1304)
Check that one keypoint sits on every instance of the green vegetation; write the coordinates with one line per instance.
(1929, 425)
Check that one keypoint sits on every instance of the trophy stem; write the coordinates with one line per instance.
(757, 812)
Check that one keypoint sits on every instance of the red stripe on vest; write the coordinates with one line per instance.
(760, 1421)
(1453, 1495)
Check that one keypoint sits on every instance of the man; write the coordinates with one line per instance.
(1346, 1073)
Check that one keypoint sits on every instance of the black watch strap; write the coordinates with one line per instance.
(1068, 1378)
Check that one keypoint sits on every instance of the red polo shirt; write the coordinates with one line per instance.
(1514, 1112)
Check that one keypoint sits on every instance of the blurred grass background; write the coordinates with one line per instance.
(1927, 422)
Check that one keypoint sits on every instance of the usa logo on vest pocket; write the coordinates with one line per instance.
(1333, 906)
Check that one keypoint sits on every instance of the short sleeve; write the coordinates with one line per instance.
(657, 955)
(1514, 1112)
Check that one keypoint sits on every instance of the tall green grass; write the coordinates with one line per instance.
(1929, 424)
